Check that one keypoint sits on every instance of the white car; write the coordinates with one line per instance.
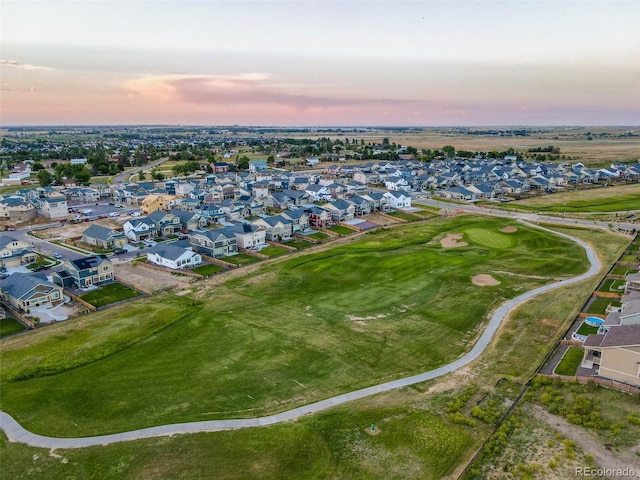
(57, 255)
(114, 214)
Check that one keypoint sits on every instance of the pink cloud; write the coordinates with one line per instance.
(25, 66)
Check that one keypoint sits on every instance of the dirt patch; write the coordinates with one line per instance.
(75, 230)
(589, 443)
(452, 241)
(154, 280)
(510, 229)
(356, 319)
(373, 432)
(484, 280)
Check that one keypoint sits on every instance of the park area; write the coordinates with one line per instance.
(391, 304)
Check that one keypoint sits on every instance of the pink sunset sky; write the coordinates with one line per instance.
(308, 63)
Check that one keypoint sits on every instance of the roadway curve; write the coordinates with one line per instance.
(16, 433)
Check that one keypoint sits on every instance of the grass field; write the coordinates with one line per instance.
(108, 294)
(9, 326)
(620, 198)
(570, 362)
(615, 286)
(334, 444)
(622, 270)
(307, 328)
(208, 269)
(587, 329)
(600, 304)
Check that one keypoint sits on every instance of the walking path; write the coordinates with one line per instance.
(16, 433)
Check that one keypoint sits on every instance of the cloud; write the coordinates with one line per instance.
(248, 89)
(25, 66)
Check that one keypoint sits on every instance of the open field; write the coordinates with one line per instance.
(620, 198)
(334, 444)
(108, 294)
(562, 426)
(299, 330)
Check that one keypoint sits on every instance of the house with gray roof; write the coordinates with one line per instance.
(85, 272)
(615, 354)
(172, 256)
(103, 237)
(215, 243)
(25, 290)
(14, 252)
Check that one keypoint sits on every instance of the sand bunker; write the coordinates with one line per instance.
(510, 229)
(451, 241)
(484, 280)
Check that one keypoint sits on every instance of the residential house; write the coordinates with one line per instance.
(154, 202)
(103, 237)
(394, 183)
(362, 206)
(174, 257)
(299, 219)
(398, 199)
(615, 354)
(318, 217)
(53, 207)
(190, 220)
(276, 227)
(16, 208)
(210, 212)
(341, 210)
(138, 229)
(166, 223)
(215, 243)
(248, 235)
(379, 202)
(318, 193)
(15, 252)
(23, 291)
(84, 272)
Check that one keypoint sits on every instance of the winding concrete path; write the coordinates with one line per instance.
(16, 433)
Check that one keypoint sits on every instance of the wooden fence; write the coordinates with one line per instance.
(27, 322)
(282, 245)
(604, 382)
(613, 295)
(135, 286)
(82, 302)
(254, 254)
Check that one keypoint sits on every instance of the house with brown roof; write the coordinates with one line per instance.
(615, 354)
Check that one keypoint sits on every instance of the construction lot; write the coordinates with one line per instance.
(154, 280)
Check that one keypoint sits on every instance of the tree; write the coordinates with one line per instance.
(243, 163)
(141, 175)
(449, 151)
(45, 178)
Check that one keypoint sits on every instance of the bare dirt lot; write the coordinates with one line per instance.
(484, 280)
(75, 230)
(151, 279)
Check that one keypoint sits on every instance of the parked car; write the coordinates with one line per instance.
(3, 269)
(39, 268)
(119, 251)
(57, 255)
(114, 214)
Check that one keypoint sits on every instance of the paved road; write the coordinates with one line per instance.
(16, 433)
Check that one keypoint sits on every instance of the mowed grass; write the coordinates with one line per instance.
(298, 244)
(9, 326)
(108, 294)
(241, 259)
(273, 251)
(570, 361)
(599, 199)
(208, 269)
(389, 305)
(341, 230)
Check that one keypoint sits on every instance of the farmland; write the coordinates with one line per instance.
(299, 330)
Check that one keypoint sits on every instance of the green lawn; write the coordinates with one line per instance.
(612, 286)
(208, 269)
(241, 259)
(341, 230)
(587, 329)
(273, 251)
(391, 304)
(298, 244)
(404, 216)
(599, 305)
(108, 294)
(318, 236)
(570, 362)
(622, 270)
(9, 326)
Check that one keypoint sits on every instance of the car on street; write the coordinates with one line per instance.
(57, 255)
(3, 269)
(119, 251)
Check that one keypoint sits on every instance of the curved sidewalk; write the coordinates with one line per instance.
(16, 433)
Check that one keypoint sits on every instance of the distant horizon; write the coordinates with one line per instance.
(320, 62)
